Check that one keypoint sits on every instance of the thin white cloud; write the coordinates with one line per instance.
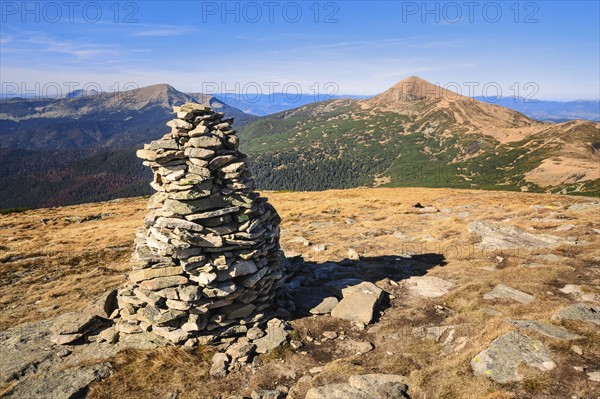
(163, 31)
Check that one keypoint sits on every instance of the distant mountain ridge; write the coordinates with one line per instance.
(81, 149)
(105, 120)
(550, 111)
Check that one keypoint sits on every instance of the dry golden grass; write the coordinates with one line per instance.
(49, 269)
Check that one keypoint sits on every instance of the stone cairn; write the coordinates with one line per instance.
(207, 264)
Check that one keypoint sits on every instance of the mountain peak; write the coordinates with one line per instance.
(412, 89)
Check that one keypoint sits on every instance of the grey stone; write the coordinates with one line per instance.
(205, 142)
(163, 144)
(173, 335)
(501, 360)
(173, 223)
(356, 347)
(220, 362)
(267, 394)
(213, 214)
(163, 282)
(203, 240)
(189, 293)
(201, 153)
(497, 236)
(105, 305)
(195, 323)
(73, 322)
(152, 315)
(359, 303)
(579, 311)
(203, 278)
(276, 334)
(67, 383)
(220, 161)
(238, 310)
(237, 269)
(325, 306)
(189, 207)
(150, 273)
(502, 291)
(372, 386)
(428, 286)
(546, 329)
(150, 297)
(220, 290)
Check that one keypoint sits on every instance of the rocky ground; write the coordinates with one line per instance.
(457, 294)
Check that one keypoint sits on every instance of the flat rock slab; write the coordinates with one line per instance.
(579, 311)
(546, 329)
(277, 333)
(359, 303)
(501, 360)
(26, 351)
(428, 286)
(502, 291)
(73, 322)
(325, 306)
(336, 286)
(371, 386)
(61, 384)
(498, 236)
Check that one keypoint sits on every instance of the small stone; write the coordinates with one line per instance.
(110, 335)
(594, 376)
(220, 362)
(255, 333)
(353, 255)
(326, 306)
(296, 344)
(577, 349)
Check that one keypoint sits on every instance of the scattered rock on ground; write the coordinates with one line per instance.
(220, 362)
(497, 236)
(594, 376)
(276, 334)
(579, 311)
(428, 286)
(370, 386)
(68, 383)
(502, 291)
(502, 358)
(546, 329)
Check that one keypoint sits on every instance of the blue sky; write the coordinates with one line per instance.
(544, 50)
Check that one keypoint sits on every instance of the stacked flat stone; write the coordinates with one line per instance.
(207, 263)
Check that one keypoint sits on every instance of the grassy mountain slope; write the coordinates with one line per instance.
(417, 134)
